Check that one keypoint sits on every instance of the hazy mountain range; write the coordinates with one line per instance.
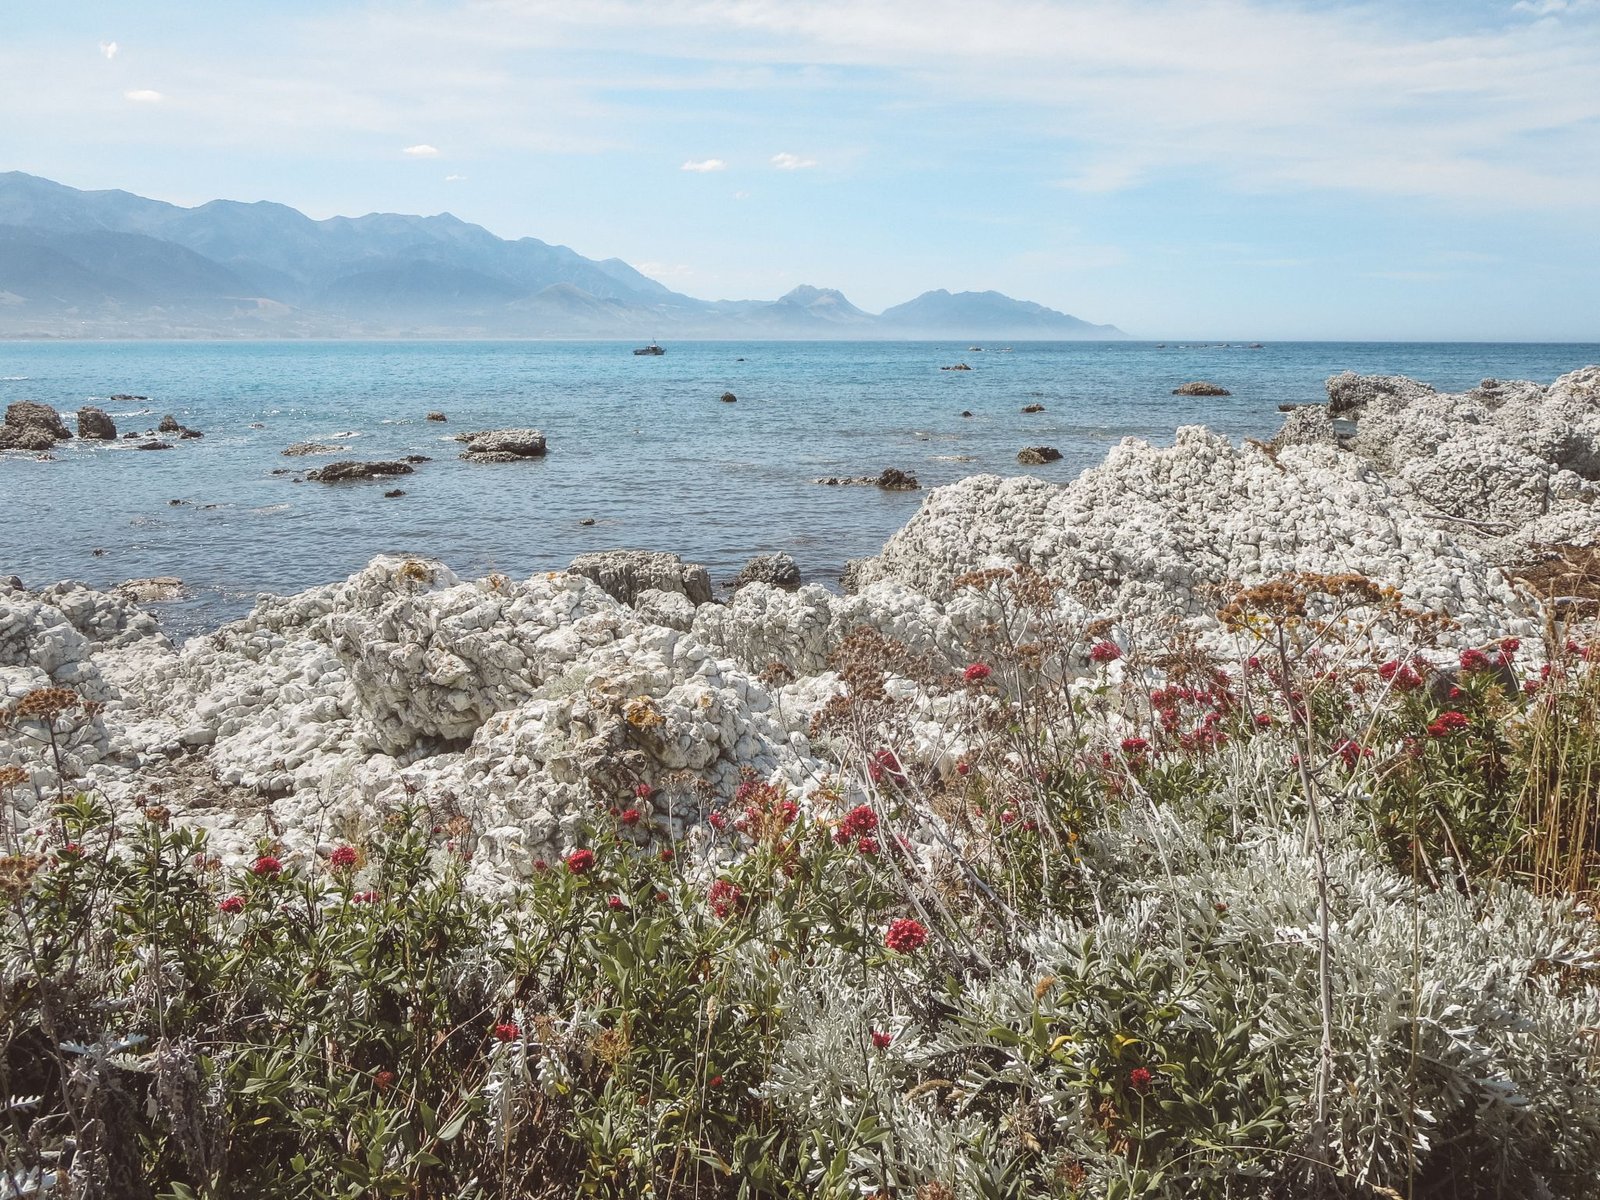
(109, 264)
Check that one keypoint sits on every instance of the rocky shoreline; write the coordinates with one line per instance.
(523, 702)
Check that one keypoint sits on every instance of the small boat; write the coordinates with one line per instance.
(652, 348)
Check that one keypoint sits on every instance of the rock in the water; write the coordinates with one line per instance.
(778, 569)
(190, 433)
(338, 472)
(623, 574)
(25, 437)
(504, 445)
(393, 493)
(1033, 456)
(1033, 408)
(169, 424)
(1349, 392)
(1201, 388)
(729, 398)
(893, 479)
(29, 414)
(966, 412)
(95, 425)
(126, 398)
(436, 416)
(154, 444)
(144, 591)
(301, 449)
(957, 367)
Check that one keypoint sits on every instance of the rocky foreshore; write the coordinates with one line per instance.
(522, 702)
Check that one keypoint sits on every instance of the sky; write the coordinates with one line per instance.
(1421, 169)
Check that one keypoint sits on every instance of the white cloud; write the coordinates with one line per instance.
(741, 195)
(143, 96)
(792, 162)
(704, 164)
(109, 49)
(422, 150)
(454, 178)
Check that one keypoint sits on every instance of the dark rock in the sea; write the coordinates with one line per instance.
(29, 414)
(729, 398)
(175, 503)
(957, 367)
(1201, 388)
(1489, 385)
(257, 425)
(131, 437)
(392, 493)
(623, 574)
(436, 416)
(587, 521)
(1032, 408)
(125, 398)
(339, 472)
(895, 480)
(416, 458)
(169, 424)
(1350, 393)
(504, 445)
(779, 569)
(98, 552)
(301, 449)
(187, 434)
(14, 437)
(94, 425)
(154, 444)
(144, 591)
(966, 412)
(1033, 456)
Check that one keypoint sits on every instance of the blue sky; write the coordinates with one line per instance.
(1181, 168)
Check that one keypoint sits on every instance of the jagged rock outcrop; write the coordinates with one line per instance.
(1037, 456)
(30, 425)
(95, 425)
(778, 569)
(503, 445)
(1200, 387)
(344, 471)
(303, 449)
(624, 574)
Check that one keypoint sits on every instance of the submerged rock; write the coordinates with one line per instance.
(436, 416)
(302, 449)
(1200, 388)
(1033, 456)
(503, 445)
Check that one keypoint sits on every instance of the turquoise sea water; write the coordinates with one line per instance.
(642, 445)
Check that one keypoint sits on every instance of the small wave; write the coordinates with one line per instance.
(347, 434)
(13, 378)
(268, 509)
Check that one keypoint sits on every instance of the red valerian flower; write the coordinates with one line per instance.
(963, 767)
(859, 820)
(867, 845)
(881, 1040)
(266, 865)
(662, 897)
(1403, 677)
(1134, 745)
(725, 898)
(1139, 1079)
(714, 1081)
(630, 816)
(905, 936)
(343, 858)
(666, 854)
(383, 1080)
(72, 850)
(232, 905)
(642, 791)
(539, 864)
(977, 672)
(883, 764)
(1473, 660)
(1447, 723)
(507, 1031)
(1104, 652)
(614, 903)
(1351, 752)
(717, 821)
(364, 898)
(1264, 720)
(580, 861)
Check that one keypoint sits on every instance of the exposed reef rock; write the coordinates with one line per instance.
(340, 472)
(32, 426)
(1034, 456)
(502, 445)
(1200, 388)
(624, 574)
(95, 425)
(778, 569)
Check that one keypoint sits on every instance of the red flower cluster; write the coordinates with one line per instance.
(642, 791)
(666, 854)
(881, 1040)
(963, 767)
(868, 846)
(1403, 677)
(614, 903)
(72, 850)
(1104, 652)
(977, 672)
(726, 899)
(859, 820)
(1473, 661)
(232, 905)
(1134, 746)
(1351, 753)
(507, 1031)
(342, 859)
(905, 936)
(580, 861)
(266, 865)
(630, 816)
(1264, 720)
(768, 810)
(884, 765)
(1447, 723)
(364, 898)
(1139, 1079)
(383, 1080)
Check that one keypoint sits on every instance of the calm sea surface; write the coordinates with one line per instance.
(640, 444)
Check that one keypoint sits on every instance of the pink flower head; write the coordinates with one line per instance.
(1473, 660)
(1351, 752)
(714, 1081)
(507, 1031)
(343, 858)
(580, 861)
(1263, 720)
(883, 764)
(642, 791)
(614, 903)
(1104, 652)
(867, 845)
(859, 820)
(977, 672)
(1139, 1079)
(726, 899)
(963, 767)
(1447, 723)
(905, 936)
(666, 854)
(539, 864)
(630, 816)
(364, 898)
(881, 1040)
(1133, 746)
(72, 850)
(383, 1080)
(266, 865)
(232, 905)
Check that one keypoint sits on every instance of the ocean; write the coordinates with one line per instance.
(641, 446)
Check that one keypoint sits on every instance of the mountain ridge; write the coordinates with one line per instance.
(112, 263)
